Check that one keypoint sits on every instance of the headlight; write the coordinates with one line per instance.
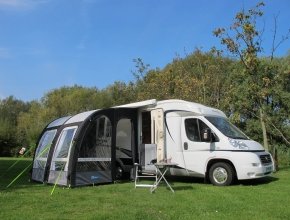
(256, 164)
(238, 144)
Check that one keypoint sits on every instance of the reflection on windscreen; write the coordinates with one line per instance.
(226, 127)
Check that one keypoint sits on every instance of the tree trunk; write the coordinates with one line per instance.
(288, 150)
(276, 158)
(265, 139)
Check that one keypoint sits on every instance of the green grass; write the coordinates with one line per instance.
(267, 198)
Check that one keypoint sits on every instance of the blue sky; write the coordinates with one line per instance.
(46, 44)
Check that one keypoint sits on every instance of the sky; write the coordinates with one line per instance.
(47, 44)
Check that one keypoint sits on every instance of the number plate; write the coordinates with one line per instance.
(269, 169)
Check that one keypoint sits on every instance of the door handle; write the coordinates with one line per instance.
(185, 146)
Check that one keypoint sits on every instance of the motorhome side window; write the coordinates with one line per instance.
(194, 128)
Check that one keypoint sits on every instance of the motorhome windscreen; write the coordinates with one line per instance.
(226, 127)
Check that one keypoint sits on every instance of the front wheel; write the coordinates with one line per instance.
(221, 174)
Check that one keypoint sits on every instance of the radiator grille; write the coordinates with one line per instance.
(266, 159)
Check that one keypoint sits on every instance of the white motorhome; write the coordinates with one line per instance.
(200, 140)
(100, 146)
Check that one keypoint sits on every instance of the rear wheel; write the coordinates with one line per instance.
(221, 174)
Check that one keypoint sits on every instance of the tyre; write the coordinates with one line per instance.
(119, 172)
(221, 174)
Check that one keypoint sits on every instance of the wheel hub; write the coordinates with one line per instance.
(220, 175)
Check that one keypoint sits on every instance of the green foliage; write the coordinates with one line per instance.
(31, 123)
(198, 77)
(72, 100)
(10, 108)
(258, 86)
(242, 38)
(121, 93)
(58, 103)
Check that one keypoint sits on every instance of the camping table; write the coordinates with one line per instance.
(161, 169)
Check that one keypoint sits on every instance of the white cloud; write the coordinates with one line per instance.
(21, 4)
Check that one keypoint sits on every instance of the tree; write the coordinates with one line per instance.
(121, 93)
(57, 103)
(10, 108)
(69, 100)
(253, 82)
(31, 123)
(198, 77)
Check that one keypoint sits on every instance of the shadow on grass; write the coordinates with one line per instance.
(176, 186)
(181, 183)
(284, 168)
(17, 186)
(182, 188)
(185, 179)
(252, 182)
(15, 173)
(260, 181)
(175, 182)
(9, 183)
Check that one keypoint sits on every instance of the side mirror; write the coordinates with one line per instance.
(207, 135)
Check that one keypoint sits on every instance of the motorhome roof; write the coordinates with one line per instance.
(167, 105)
(175, 104)
(147, 103)
(181, 105)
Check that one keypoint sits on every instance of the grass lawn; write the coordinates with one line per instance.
(267, 198)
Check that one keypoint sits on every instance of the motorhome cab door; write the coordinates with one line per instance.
(195, 150)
